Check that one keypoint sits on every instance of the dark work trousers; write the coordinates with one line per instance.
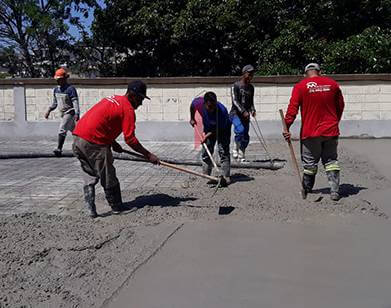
(96, 162)
(223, 142)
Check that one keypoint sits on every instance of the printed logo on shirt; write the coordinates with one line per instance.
(313, 87)
(111, 99)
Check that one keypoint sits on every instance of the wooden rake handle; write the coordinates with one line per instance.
(175, 167)
(293, 156)
(206, 149)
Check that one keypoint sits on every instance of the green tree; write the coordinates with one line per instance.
(38, 32)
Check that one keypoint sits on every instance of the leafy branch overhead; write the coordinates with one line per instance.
(194, 37)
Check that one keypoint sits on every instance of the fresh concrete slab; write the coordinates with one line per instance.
(234, 264)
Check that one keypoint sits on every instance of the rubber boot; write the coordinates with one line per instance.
(61, 140)
(207, 169)
(89, 199)
(114, 198)
(226, 170)
(333, 179)
(308, 182)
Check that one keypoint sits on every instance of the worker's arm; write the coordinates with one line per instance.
(75, 101)
(252, 106)
(235, 95)
(128, 129)
(293, 109)
(52, 106)
(192, 115)
(340, 104)
(116, 147)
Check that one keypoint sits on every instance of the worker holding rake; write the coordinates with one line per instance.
(95, 136)
(217, 128)
(321, 103)
(242, 95)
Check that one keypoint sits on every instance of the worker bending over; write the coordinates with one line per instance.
(95, 136)
(217, 128)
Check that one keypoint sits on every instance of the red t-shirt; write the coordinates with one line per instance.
(106, 120)
(321, 104)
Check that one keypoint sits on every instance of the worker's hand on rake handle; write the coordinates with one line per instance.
(47, 114)
(204, 137)
(153, 159)
(253, 114)
(287, 136)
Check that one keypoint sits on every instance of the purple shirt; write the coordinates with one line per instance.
(197, 104)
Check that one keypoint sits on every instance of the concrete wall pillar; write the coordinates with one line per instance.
(20, 105)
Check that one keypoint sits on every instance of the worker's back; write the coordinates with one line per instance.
(321, 103)
(105, 121)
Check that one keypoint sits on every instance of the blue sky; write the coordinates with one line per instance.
(86, 21)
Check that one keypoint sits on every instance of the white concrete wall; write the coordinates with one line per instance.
(367, 111)
(7, 109)
(171, 103)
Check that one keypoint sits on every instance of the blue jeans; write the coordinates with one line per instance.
(241, 129)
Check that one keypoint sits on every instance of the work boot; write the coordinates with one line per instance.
(89, 199)
(235, 151)
(114, 198)
(58, 151)
(333, 179)
(207, 170)
(308, 182)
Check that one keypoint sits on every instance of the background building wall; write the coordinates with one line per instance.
(165, 117)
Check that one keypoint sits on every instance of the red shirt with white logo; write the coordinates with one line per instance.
(106, 120)
(321, 104)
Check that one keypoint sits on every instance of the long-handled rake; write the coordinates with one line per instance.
(258, 132)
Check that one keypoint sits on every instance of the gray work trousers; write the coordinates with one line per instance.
(223, 150)
(67, 124)
(319, 148)
(96, 162)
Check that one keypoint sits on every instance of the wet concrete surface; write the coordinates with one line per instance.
(328, 261)
(272, 246)
(235, 264)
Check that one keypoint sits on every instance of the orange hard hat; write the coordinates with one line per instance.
(61, 73)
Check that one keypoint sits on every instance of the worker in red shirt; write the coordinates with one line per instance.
(321, 104)
(95, 136)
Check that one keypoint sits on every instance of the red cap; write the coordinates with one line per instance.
(61, 73)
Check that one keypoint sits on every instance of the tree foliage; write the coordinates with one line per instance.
(200, 37)
(37, 32)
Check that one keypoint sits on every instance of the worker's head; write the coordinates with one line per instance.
(312, 69)
(248, 73)
(61, 76)
(210, 101)
(136, 93)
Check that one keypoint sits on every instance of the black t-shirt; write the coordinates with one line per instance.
(242, 96)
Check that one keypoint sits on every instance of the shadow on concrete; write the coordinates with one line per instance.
(239, 177)
(345, 190)
(162, 200)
